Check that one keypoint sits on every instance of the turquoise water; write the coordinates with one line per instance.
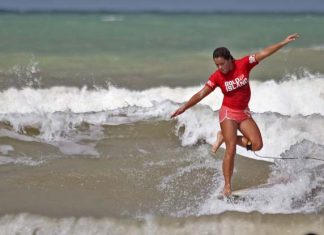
(62, 34)
(145, 50)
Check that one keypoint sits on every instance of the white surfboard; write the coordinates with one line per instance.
(240, 193)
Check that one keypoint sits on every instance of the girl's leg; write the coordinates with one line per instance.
(229, 131)
(251, 132)
(241, 140)
(219, 141)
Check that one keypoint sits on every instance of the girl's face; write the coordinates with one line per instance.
(223, 65)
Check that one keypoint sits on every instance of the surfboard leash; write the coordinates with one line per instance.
(287, 158)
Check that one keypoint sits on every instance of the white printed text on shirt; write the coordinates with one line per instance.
(236, 83)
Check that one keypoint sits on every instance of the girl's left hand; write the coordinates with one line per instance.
(291, 38)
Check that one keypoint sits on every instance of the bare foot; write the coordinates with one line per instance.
(227, 191)
(219, 141)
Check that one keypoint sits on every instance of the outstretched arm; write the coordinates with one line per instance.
(193, 100)
(264, 53)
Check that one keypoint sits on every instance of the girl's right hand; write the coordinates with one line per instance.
(178, 111)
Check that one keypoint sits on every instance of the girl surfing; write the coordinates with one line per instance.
(232, 77)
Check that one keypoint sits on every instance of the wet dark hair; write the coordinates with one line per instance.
(222, 52)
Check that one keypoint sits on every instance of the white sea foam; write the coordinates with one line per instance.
(290, 97)
(199, 123)
(319, 47)
(296, 186)
(223, 225)
(28, 161)
(67, 145)
(5, 149)
(286, 112)
(279, 132)
(112, 18)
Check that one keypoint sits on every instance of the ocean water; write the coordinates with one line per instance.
(86, 141)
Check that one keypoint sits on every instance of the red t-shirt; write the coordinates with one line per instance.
(235, 84)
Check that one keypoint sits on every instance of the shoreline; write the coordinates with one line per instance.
(223, 224)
